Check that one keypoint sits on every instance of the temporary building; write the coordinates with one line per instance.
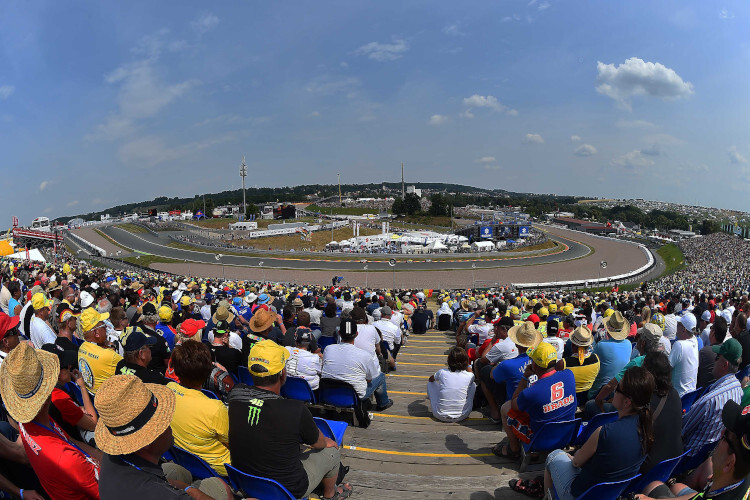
(482, 246)
(34, 255)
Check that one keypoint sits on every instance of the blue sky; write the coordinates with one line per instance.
(103, 103)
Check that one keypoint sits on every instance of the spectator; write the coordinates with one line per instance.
(666, 410)
(302, 363)
(551, 398)
(137, 356)
(200, 424)
(265, 430)
(553, 329)
(119, 322)
(583, 362)
(451, 390)
(134, 437)
(41, 332)
(356, 367)
(221, 353)
(95, 361)
(160, 351)
(670, 322)
(9, 335)
(67, 326)
(67, 469)
(329, 323)
(702, 425)
(707, 356)
(613, 352)
(390, 333)
(14, 304)
(614, 451)
(422, 320)
(684, 356)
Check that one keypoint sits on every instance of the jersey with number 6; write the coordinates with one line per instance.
(552, 398)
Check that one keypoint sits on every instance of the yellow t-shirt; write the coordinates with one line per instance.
(96, 364)
(201, 426)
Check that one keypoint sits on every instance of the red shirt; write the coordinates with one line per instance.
(65, 471)
(69, 409)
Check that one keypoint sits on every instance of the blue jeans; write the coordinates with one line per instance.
(563, 473)
(377, 386)
(590, 410)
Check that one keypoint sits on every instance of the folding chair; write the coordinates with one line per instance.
(550, 436)
(210, 394)
(198, 467)
(332, 429)
(342, 395)
(256, 486)
(324, 342)
(244, 375)
(297, 388)
(588, 428)
(689, 463)
(602, 491)
(688, 399)
(659, 472)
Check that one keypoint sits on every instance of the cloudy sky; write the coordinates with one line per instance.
(108, 102)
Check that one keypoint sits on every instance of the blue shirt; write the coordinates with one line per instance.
(613, 356)
(552, 398)
(12, 306)
(510, 372)
(166, 333)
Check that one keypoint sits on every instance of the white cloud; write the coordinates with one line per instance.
(205, 23)
(652, 150)
(48, 210)
(632, 160)
(544, 6)
(724, 14)
(585, 150)
(485, 159)
(72, 203)
(6, 91)
(384, 51)
(533, 139)
(735, 157)
(329, 85)
(43, 185)
(642, 124)
(575, 138)
(636, 77)
(453, 30)
(437, 120)
(314, 114)
(466, 114)
(481, 101)
(491, 167)
(512, 112)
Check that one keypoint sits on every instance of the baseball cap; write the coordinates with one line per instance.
(543, 354)
(533, 318)
(263, 298)
(133, 339)
(186, 301)
(86, 299)
(385, 311)
(706, 316)
(650, 331)
(221, 327)
(735, 419)
(190, 327)
(268, 355)
(731, 350)
(165, 313)
(67, 357)
(303, 335)
(552, 327)
(148, 309)
(688, 321)
(506, 321)
(39, 301)
(7, 323)
(90, 318)
(348, 328)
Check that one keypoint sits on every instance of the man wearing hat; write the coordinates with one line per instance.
(265, 430)
(134, 437)
(67, 322)
(701, 425)
(136, 347)
(613, 351)
(164, 326)
(96, 361)
(67, 469)
(228, 357)
(684, 355)
(549, 397)
(41, 332)
(9, 334)
(160, 351)
(262, 323)
(730, 463)
(302, 361)
(582, 362)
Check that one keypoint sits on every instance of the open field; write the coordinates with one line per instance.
(132, 228)
(318, 243)
(673, 258)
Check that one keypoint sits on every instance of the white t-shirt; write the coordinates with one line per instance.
(482, 330)
(397, 318)
(666, 344)
(24, 311)
(391, 333)
(557, 343)
(367, 338)
(206, 313)
(235, 341)
(350, 364)
(455, 394)
(41, 333)
(302, 363)
(315, 315)
(502, 350)
(670, 326)
(705, 335)
(684, 361)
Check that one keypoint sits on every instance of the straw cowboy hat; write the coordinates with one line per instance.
(222, 314)
(581, 337)
(262, 320)
(131, 414)
(617, 326)
(27, 378)
(525, 335)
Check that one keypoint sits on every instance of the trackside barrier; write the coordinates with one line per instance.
(86, 244)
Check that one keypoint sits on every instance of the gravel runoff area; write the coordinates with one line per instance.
(620, 257)
(88, 234)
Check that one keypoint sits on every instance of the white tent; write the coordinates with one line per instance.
(436, 246)
(482, 246)
(34, 254)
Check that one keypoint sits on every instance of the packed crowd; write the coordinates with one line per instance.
(716, 262)
(103, 372)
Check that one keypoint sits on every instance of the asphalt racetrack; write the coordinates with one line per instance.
(578, 258)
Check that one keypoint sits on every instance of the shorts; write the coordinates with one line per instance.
(563, 473)
(519, 423)
(496, 389)
(319, 464)
(663, 491)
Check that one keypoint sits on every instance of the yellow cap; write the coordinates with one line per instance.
(90, 317)
(543, 354)
(608, 313)
(515, 311)
(185, 300)
(552, 308)
(543, 312)
(269, 355)
(39, 301)
(165, 313)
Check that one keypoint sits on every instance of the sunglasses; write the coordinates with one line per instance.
(625, 394)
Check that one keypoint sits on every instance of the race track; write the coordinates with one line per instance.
(579, 261)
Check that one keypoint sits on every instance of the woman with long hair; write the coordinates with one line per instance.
(451, 390)
(614, 451)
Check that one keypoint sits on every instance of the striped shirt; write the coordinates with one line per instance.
(702, 424)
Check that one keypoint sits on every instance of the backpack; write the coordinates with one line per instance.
(220, 382)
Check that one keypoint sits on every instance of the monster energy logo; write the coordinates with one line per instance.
(254, 411)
